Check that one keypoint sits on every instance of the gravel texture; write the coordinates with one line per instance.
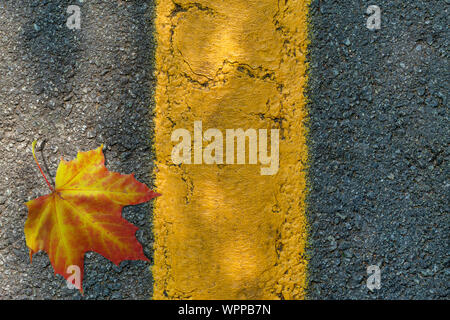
(379, 133)
(72, 90)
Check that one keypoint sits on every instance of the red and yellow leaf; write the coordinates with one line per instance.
(84, 213)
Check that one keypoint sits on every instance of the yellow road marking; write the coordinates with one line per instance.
(226, 231)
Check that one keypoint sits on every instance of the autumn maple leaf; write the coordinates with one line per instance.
(83, 213)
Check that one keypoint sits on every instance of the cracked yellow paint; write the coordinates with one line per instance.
(225, 231)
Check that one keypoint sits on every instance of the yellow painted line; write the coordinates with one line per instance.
(225, 231)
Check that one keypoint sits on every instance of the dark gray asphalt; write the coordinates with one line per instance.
(75, 89)
(380, 149)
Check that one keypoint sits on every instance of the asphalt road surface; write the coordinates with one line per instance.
(379, 140)
(379, 150)
(75, 89)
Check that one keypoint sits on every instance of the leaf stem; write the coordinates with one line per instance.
(42, 172)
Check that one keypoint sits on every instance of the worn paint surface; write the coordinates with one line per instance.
(226, 231)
